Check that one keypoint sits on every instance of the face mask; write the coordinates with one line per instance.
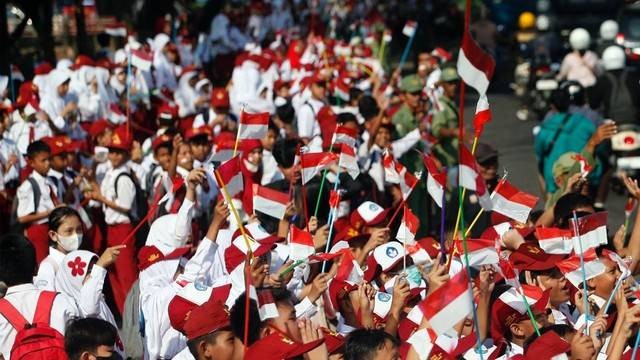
(71, 242)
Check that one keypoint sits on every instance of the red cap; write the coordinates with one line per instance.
(25, 94)
(82, 60)
(121, 140)
(200, 131)
(211, 316)
(43, 69)
(72, 145)
(430, 245)
(546, 346)
(279, 84)
(168, 112)
(248, 145)
(333, 340)
(105, 63)
(150, 255)
(161, 140)
(98, 127)
(277, 346)
(220, 98)
(530, 256)
(56, 144)
(368, 214)
(509, 308)
(181, 305)
(338, 290)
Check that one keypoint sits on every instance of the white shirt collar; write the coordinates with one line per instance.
(21, 288)
(55, 173)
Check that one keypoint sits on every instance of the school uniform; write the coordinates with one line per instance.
(308, 126)
(124, 272)
(37, 232)
(24, 298)
(45, 279)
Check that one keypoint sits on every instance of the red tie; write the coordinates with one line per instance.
(32, 133)
(54, 197)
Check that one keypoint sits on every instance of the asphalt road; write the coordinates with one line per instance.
(514, 141)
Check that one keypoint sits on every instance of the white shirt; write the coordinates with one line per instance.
(308, 126)
(53, 104)
(19, 133)
(185, 354)
(26, 200)
(126, 195)
(24, 298)
(57, 181)
(7, 148)
(45, 279)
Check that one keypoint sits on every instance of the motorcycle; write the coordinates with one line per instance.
(540, 95)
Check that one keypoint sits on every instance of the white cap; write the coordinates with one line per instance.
(388, 255)
(608, 29)
(579, 39)
(613, 58)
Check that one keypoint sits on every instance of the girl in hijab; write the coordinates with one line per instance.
(164, 62)
(186, 95)
(60, 104)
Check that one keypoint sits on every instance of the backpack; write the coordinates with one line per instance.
(621, 107)
(13, 221)
(139, 209)
(36, 340)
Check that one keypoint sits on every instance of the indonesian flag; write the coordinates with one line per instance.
(349, 269)
(223, 150)
(348, 161)
(408, 227)
(117, 30)
(116, 115)
(554, 240)
(508, 272)
(231, 175)
(341, 89)
(474, 65)
(585, 168)
(480, 251)
(269, 201)
(629, 206)
(409, 28)
(592, 232)
(176, 185)
(345, 135)
(253, 126)
(436, 180)
(448, 304)
(321, 257)
(470, 177)
(482, 115)
(267, 306)
(573, 271)
(300, 244)
(513, 203)
(313, 163)
(141, 59)
(396, 173)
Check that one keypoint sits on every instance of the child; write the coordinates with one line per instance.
(65, 234)
(36, 199)
(117, 194)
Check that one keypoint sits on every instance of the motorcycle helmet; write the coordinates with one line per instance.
(608, 29)
(574, 91)
(542, 23)
(613, 58)
(579, 39)
(526, 20)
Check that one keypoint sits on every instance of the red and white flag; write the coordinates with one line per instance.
(629, 206)
(512, 202)
(321, 257)
(349, 161)
(482, 115)
(396, 173)
(223, 150)
(436, 180)
(480, 251)
(345, 135)
(313, 163)
(448, 304)
(471, 179)
(116, 115)
(117, 29)
(554, 240)
(231, 175)
(475, 66)
(253, 126)
(177, 184)
(341, 89)
(141, 59)
(573, 271)
(592, 230)
(349, 270)
(267, 305)
(409, 28)
(408, 227)
(300, 244)
(509, 273)
(585, 168)
(269, 201)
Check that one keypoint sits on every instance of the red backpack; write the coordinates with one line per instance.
(36, 340)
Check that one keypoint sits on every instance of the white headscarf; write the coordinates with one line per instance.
(186, 95)
(73, 270)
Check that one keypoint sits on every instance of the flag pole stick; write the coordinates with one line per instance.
(234, 211)
(324, 177)
(473, 151)
(443, 244)
(235, 146)
(128, 92)
(333, 212)
(635, 346)
(393, 217)
(584, 275)
(481, 211)
(404, 239)
(303, 188)
(405, 52)
(613, 293)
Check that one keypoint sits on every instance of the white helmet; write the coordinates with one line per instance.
(613, 58)
(608, 30)
(579, 39)
(542, 23)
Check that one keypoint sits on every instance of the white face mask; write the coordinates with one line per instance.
(71, 242)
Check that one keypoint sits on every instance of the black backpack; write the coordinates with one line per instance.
(139, 209)
(14, 224)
